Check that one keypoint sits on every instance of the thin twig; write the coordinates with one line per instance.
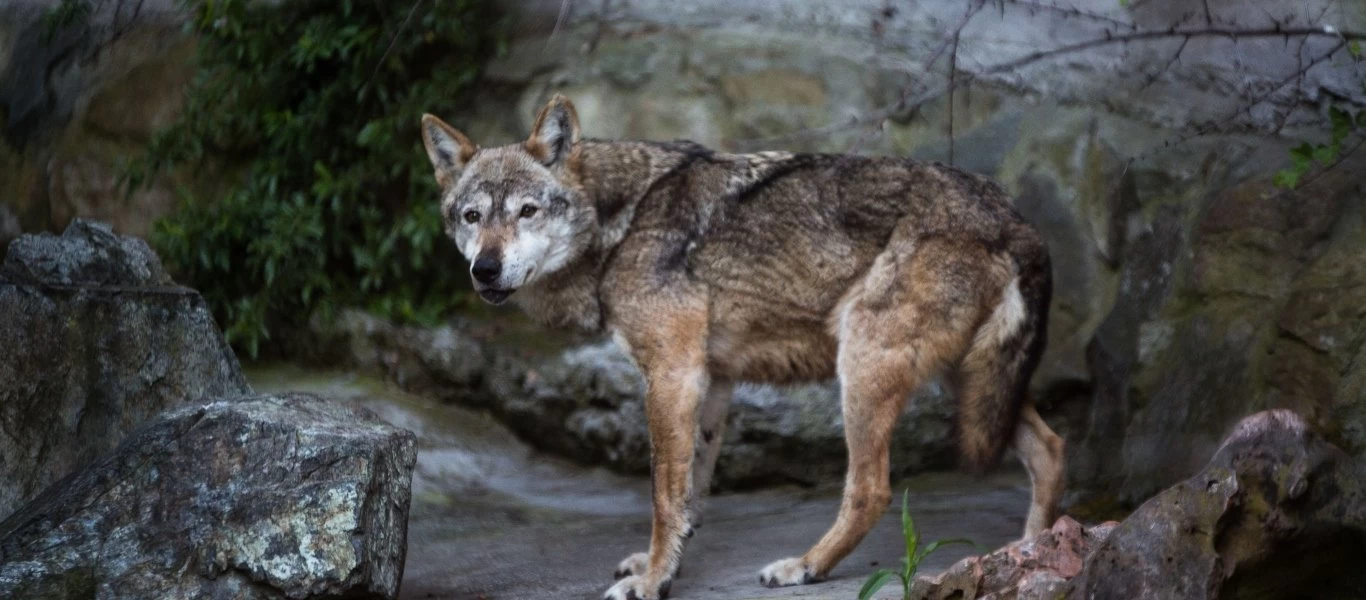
(1166, 67)
(565, 6)
(1110, 40)
(1070, 11)
(953, 72)
(402, 26)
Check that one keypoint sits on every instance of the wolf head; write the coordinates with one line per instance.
(516, 212)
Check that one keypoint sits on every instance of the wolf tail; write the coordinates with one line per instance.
(993, 381)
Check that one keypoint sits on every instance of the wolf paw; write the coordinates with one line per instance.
(788, 571)
(633, 565)
(636, 587)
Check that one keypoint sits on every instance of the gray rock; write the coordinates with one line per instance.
(1277, 513)
(88, 253)
(287, 496)
(96, 340)
(585, 401)
(9, 225)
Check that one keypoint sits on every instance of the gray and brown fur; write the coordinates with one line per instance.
(712, 268)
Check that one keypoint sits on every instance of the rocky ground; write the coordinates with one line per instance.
(1278, 513)
(494, 519)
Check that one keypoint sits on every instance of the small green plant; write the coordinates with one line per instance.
(910, 562)
(1343, 123)
(1304, 156)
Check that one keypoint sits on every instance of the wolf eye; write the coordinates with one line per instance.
(528, 211)
(471, 216)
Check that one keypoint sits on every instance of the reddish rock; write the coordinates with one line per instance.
(1036, 568)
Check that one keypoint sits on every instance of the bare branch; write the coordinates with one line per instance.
(1166, 67)
(1231, 33)
(953, 72)
(1110, 38)
(1069, 11)
(1276, 87)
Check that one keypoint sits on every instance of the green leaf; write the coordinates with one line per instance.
(1354, 48)
(908, 532)
(367, 133)
(1286, 179)
(1342, 123)
(875, 582)
(1326, 154)
(1301, 156)
(935, 545)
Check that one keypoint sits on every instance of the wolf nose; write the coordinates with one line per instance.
(486, 269)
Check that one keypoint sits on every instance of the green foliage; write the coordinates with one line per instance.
(1304, 156)
(65, 14)
(1343, 124)
(909, 563)
(312, 109)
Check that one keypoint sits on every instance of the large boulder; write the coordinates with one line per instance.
(1277, 513)
(287, 496)
(584, 399)
(96, 339)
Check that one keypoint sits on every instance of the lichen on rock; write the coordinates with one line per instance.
(249, 497)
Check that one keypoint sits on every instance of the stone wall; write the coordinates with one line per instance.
(76, 102)
(1189, 292)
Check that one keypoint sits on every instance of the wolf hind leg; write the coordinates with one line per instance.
(912, 316)
(993, 406)
(1041, 451)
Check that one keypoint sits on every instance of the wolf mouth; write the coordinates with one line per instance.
(494, 295)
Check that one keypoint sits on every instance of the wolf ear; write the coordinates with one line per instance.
(448, 149)
(555, 132)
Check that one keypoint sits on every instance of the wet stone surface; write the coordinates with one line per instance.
(492, 519)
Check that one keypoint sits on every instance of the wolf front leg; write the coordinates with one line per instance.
(671, 354)
(711, 428)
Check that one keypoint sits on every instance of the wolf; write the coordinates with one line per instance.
(711, 268)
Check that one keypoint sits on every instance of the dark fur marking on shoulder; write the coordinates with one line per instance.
(693, 153)
(609, 210)
(791, 165)
(678, 256)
